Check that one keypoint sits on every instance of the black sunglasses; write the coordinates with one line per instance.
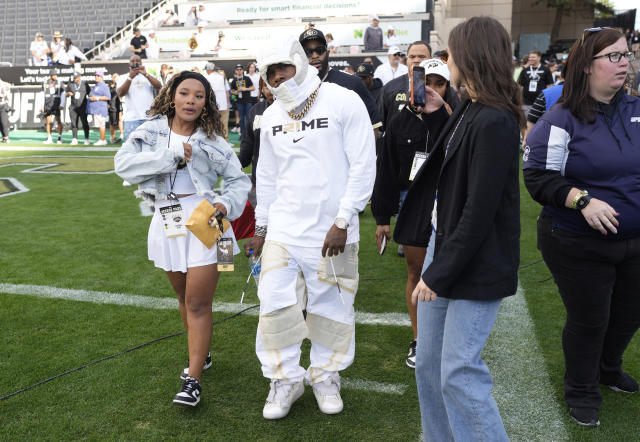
(320, 50)
(590, 31)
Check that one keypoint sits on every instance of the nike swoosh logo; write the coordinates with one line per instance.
(295, 141)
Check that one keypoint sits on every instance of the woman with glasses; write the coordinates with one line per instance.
(582, 163)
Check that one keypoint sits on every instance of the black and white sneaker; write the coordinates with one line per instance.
(207, 365)
(587, 417)
(411, 358)
(622, 384)
(189, 395)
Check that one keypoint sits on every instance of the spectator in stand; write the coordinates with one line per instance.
(165, 74)
(241, 87)
(635, 43)
(252, 72)
(373, 36)
(56, 44)
(138, 44)
(192, 18)
(365, 72)
(331, 44)
(200, 46)
(393, 69)
(52, 105)
(78, 90)
(153, 48)
(220, 89)
(218, 47)
(98, 106)
(5, 90)
(392, 38)
(137, 89)
(169, 18)
(250, 143)
(315, 47)
(68, 54)
(203, 14)
(39, 50)
(115, 111)
(534, 79)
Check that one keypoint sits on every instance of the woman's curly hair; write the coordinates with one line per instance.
(209, 120)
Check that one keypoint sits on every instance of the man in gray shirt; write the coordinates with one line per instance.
(373, 36)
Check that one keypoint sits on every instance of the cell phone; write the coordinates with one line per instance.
(134, 65)
(383, 244)
(416, 88)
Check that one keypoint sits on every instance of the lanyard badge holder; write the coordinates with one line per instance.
(418, 160)
(172, 215)
(533, 79)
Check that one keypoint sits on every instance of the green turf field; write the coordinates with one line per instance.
(76, 286)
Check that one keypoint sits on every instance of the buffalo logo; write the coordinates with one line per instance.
(361, 68)
(401, 96)
(299, 126)
(310, 33)
(433, 64)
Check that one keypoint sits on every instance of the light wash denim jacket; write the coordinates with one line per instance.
(144, 159)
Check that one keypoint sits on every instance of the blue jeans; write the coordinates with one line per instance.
(243, 113)
(454, 383)
(130, 126)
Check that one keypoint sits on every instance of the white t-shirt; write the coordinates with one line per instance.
(316, 169)
(393, 40)
(153, 51)
(255, 79)
(220, 88)
(182, 182)
(138, 99)
(39, 47)
(66, 57)
(386, 73)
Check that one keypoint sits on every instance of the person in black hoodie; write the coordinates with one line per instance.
(473, 168)
(407, 142)
(250, 142)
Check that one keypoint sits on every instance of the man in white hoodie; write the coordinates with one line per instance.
(316, 173)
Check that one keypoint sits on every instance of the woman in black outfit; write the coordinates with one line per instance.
(473, 167)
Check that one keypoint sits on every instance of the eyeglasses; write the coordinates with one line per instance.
(615, 57)
(320, 50)
(590, 31)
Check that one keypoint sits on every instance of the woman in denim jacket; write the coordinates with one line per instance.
(176, 158)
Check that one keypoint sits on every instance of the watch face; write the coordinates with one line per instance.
(583, 201)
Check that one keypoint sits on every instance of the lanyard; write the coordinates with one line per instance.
(181, 165)
(446, 151)
(534, 75)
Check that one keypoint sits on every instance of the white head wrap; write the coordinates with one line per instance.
(293, 92)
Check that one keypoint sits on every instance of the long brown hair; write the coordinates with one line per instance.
(481, 50)
(575, 93)
(209, 120)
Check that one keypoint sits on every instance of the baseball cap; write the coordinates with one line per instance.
(393, 50)
(436, 66)
(136, 29)
(375, 17)
(239, 66)
(312, 34)
(77, 74)
(100, 73)
(364, 70)
(210, 66)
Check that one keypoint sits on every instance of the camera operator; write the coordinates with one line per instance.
(137, 90)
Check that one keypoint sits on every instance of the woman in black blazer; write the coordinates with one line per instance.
(473, 169)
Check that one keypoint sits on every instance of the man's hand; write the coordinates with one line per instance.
(334, 241)
(382, 231)
(422, 293)
(255, 243)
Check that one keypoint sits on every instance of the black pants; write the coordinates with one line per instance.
(75, 114)
(599, 282)
(4, 120)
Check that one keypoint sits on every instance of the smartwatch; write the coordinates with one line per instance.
(583, 201)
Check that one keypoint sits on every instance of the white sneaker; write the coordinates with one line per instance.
(59, 141)
(100, 143)
(86, 141)
(281, 397)
(327, 394)
(74, 142)
(48, 141)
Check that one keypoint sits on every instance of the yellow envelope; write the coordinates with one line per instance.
(198, 223)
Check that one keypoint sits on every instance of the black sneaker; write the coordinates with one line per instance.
(207, 365)
(400, 251)
(587, 417)
(411, 358)
(624, 384)
(189, 395)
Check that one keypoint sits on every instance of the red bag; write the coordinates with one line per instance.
(244, 226)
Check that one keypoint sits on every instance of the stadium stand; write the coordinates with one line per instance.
(86, 22)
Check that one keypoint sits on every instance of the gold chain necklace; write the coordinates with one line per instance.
(304, 111)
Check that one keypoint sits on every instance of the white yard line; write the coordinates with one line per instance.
(43, 291)
(522, 387)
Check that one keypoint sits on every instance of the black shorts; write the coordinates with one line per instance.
(114, 118)
(52, 108)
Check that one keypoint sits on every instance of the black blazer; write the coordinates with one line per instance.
(478, 221)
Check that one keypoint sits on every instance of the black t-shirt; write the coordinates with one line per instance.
(355, 84)
(139, 42)
(541, 75)
(244, 81)
(636, 38)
